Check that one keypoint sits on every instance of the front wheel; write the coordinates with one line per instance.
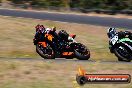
(81, 52)
(123, 54)
(45, 52)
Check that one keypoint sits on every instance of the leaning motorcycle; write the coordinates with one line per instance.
(122, 48)
(52, 48)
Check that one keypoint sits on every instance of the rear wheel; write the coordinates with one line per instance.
(45, 52)
(81, 52)
(123, 54)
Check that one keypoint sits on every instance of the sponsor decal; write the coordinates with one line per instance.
(82, 78)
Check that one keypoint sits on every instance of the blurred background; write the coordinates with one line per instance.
(85, 6)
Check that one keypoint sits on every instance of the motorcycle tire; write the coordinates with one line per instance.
(40, 52)
(120, 57)
(80, 56)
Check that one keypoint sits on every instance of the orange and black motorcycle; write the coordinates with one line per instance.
(52, 48)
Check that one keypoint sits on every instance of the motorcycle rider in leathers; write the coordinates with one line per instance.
(41, 30)
(112, 31)
(61, 37)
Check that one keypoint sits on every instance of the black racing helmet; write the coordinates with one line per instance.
(63, 34)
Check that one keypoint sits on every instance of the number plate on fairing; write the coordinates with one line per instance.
(114, 39)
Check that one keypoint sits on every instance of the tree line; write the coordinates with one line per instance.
(84, 4)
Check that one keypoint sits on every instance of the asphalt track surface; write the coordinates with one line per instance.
(62, 60)
(94, 20)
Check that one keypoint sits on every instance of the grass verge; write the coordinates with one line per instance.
(51, 74)
(16, 36)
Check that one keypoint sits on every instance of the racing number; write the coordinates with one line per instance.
(114, 39)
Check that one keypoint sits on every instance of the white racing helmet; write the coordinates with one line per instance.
(47, 30)
(111, 32)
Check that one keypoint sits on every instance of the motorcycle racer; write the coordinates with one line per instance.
(112, 32)
(51, 44)
(41, 30)
(60, 39)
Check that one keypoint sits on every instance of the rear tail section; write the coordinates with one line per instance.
(72, 35)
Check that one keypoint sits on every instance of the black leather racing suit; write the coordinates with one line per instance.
(121, 35)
